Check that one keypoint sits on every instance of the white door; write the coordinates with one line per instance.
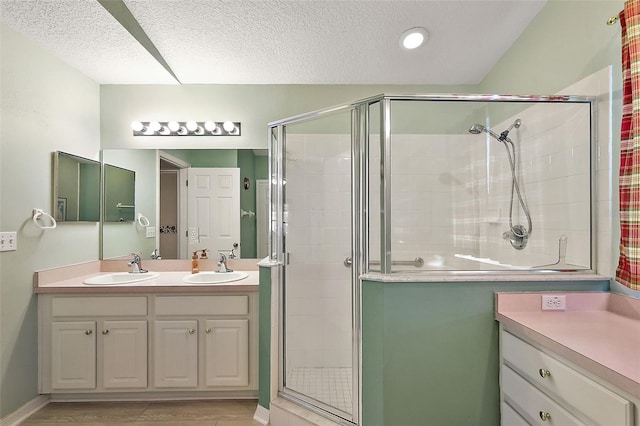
(176, 354)
(73, 355)
(124, 364)
(213, 210)
(227, 352)
(262, 217)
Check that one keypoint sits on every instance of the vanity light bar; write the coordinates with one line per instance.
(186, 128)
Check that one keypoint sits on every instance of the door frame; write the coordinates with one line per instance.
(182, 201)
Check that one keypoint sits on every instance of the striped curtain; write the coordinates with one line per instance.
(628, 272)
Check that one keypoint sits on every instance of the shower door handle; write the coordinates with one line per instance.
(348, 262)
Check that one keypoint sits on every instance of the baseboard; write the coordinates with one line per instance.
(261, 415)
(25, 411)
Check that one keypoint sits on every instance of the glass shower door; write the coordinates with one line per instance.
(317, 290)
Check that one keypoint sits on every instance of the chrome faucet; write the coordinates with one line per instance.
(222, 263)
(136, 264)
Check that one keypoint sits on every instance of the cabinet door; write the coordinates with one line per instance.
(73, 355)
(176, 354)
(124, 350)
(227, 352)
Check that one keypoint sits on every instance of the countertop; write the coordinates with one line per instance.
(70, 279)
(599, 332)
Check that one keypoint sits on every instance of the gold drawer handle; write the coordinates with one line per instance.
(208, 331)
(105, 332)
(545, 416)
(88, 332)
(544, 373)
(192, 330)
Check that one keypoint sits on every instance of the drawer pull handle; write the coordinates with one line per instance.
(544, 373)
(88, 332)
(105, 332)
(192, 330)
(545, 416)
(208, 330)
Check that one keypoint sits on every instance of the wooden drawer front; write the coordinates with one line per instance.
(510, 417)
(98, 306)
(532, 403)
(593, 400)
(202, 305)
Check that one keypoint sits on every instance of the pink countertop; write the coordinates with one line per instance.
(69, 279)
(599, 332)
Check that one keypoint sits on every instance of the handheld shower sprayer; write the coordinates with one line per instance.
(517, 235)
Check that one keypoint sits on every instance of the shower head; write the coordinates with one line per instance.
(476, 129)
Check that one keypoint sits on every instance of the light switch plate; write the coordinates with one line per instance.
(151, 231)
(8, 241)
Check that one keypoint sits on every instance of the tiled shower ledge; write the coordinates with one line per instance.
(481, 276)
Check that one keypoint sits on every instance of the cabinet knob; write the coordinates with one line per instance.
(208, 331)
(545, 416)
(105, 332)
(192, 330)
(88, 332)
(544, 373)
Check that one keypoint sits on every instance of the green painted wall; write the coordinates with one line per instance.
(36, 87)
(207, 157)
(264, 340)
(247, 164)
(430, 351)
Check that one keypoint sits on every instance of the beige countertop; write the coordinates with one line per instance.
(599, 332)
(70, 279)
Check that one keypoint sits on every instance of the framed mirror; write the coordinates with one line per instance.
(162, 195)
(119, 194)
(76, 188)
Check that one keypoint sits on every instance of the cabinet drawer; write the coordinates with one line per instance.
(532, 403)
(202, 305)
(98, 306)
(593, 400)
(510, 417)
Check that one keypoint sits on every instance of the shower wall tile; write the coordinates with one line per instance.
(318, 239)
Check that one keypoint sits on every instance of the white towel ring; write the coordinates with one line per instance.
(142, 220)
(39, 214)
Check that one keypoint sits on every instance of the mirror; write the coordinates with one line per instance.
(119, 194)
(161, 196)
(76, 188)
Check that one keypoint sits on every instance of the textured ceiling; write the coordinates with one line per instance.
(277, 42)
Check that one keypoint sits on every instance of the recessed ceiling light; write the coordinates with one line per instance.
(413, 38)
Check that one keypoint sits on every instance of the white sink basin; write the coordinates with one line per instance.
(214, 277)
(120, 278)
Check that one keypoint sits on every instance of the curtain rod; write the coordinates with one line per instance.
(612, 20)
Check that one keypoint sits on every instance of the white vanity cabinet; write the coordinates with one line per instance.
(541, 388)
(132, 343)
(202, 341)
(93, 343)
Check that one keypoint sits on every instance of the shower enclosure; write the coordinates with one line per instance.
(417, 187)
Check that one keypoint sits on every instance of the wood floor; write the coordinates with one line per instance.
(161, 413)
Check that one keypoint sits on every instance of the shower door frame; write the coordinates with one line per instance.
(277, 137)
(360, 173)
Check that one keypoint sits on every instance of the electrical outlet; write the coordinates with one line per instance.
(151, 231)
(554, 302)
(8, 241)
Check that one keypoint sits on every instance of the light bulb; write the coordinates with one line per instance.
(154, 126)
(182, 131)
(164, 131)
(192, 125)
(210, 126)
(173, 126)
(229, 126)
(137, 126)
(199, 130)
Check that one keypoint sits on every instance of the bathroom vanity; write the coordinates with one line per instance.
(160, 336)
(573, 367)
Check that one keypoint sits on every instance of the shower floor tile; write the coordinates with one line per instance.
(330, 385)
